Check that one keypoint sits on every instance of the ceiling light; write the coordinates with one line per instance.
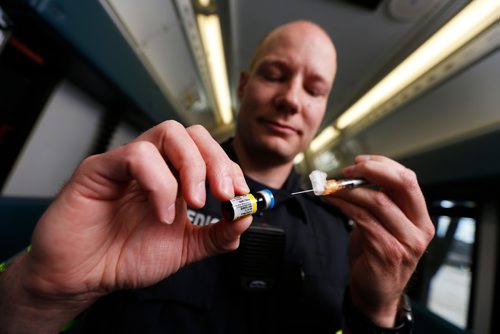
(326, 136)
(466, 25)
(211, 37)
(298, 158)
(204, 3)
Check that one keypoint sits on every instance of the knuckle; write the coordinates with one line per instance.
(169, 129)
(235, 168)
(87, 163)
(361, 216)
(394, 254)
(200, 135)
(138, 150)
(169, 124)
(429, 231)
(136, 154)
(418, 247)
(223, 166)
(193, 164)
(408, 178)
(197, 129)
(382, 200)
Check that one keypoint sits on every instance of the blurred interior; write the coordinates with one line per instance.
(81, 77)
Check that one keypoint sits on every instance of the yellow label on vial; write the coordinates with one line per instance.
(244, 205)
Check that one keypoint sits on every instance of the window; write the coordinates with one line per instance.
(444, 277)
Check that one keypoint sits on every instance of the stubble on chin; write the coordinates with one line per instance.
(276, 151)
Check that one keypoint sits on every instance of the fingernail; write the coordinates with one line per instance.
(362, 157)
(241, 184)
(227, 187)
(169, 214)
(200, 193)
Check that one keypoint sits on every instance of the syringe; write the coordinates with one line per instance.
(250, 204)
(332, 186)
(322, 186)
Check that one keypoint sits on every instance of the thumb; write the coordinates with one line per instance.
(224, 236)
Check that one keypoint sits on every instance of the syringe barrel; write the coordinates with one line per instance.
(332, 186)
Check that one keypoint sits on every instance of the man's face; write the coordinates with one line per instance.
(283, 97)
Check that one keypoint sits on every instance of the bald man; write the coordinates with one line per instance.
(132, 217)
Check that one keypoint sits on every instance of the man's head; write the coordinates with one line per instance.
(284, 94)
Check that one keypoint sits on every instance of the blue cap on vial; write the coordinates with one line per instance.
(269, 197)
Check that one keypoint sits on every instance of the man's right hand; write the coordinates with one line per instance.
(121, 222)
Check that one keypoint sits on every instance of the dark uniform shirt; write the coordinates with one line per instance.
(287, 276)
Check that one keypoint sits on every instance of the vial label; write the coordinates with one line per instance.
(244, 205)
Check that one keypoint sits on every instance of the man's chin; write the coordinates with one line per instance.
(272, 147)
(280, 151)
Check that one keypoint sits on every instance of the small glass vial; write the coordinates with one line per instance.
(248, 204)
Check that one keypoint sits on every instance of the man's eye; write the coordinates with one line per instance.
(314, 91)
(273, 76)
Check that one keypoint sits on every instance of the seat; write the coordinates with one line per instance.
(18, 217)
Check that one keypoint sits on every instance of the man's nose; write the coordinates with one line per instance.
(288, 99)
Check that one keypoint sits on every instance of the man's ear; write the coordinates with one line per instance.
(242, 83)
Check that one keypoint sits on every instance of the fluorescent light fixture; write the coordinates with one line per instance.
(298, 158)
(326, 136)
(211, 37)
(204, 3)
(470, 22)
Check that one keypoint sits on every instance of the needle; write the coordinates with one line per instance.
(300, 192)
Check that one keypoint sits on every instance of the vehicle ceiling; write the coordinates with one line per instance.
(447, 132)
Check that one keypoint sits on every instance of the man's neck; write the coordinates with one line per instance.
(262, 170)
(274, 177)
